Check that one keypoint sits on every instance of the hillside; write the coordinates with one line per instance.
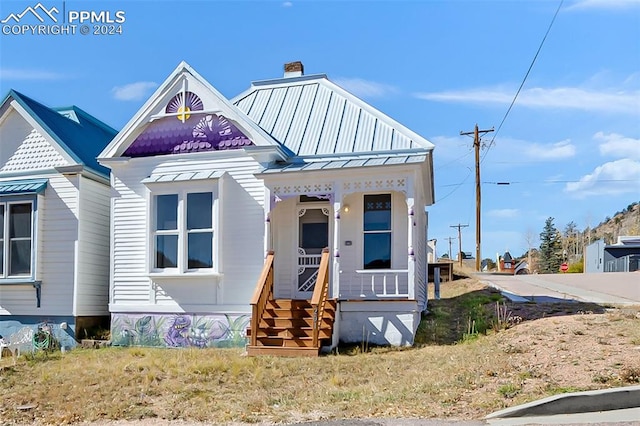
(625, 222)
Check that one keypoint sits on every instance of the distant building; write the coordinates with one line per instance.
(623, 256)
(432, 255)
(507, 263)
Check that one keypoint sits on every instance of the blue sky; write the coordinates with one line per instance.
(570, 145)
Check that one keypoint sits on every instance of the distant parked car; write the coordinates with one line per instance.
(522, 268)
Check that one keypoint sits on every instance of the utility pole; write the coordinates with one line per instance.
(450, 239)
(476, 145)
(459, 226)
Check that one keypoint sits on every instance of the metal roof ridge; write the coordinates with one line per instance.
(281, 80)
(89, 117)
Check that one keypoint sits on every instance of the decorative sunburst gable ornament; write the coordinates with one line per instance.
(183, 103)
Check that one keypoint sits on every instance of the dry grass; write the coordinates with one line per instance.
(564, 349)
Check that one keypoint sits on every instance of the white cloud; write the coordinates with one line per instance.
(504, 213)
(287, 4)
(603, 4)
(27, 74)
(616, 145)
(612, 101)
(365, 88)
(555, 151)
(134, 91)
(612, 178)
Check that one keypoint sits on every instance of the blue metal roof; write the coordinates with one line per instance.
(22, 187)
(80, 134)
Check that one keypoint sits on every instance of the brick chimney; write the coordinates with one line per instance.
(293, 69)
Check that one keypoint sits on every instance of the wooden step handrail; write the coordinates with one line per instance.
(261, 295)
(320, 295)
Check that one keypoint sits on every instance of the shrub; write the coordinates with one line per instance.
(576, 268)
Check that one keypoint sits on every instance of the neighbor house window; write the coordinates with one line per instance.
(16, 239)
(377, 231)
(183, 231)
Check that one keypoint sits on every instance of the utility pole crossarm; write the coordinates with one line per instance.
(450, 239)
(476, 144)
(459, 226)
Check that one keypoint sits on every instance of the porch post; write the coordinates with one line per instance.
(268, 201)
(335, 273)
(411, 226)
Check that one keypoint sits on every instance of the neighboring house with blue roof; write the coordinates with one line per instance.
(54, 219)
(204, 187)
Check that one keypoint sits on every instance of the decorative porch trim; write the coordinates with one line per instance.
(365, 185)
(286, 191)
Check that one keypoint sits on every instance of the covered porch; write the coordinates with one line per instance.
(374, 230)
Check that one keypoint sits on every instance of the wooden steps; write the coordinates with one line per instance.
(286, 328)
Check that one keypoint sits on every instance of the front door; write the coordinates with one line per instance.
(313, 236)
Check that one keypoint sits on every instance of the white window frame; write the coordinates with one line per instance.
(389, 231)
(5, 244)
(178, 188)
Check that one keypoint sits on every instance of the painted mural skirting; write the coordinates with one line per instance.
(179, 330)
(61, 327)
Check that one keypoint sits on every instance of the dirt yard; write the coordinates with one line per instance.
(474, 354)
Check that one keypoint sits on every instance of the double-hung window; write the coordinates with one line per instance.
(182, 232)
(16, 239)
(377, 231)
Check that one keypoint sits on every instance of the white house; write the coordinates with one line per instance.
(54, 219)
(204, 186)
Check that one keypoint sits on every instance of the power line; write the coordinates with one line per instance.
(540, 182)
(523, 80)
(453, 161)
(457, 186)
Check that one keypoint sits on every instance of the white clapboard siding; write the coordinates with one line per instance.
(92, 286)
(350, 256)
(240, 229)
(420, 249)
(130, 283)
(57, 244)
(57, 231)
(187, 295)
(283, 222)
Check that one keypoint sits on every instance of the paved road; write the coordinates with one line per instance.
(618, 288)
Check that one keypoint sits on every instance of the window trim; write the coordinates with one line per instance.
(390, 231)
(7, 201)
(178, 188)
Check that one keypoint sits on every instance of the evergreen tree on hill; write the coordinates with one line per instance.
(550, 255)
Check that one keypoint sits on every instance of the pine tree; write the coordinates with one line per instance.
(550, 255)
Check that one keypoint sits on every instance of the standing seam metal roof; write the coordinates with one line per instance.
(340, 163)
(312, 116)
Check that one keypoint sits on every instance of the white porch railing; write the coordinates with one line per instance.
(307, 261)
(381, 283)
